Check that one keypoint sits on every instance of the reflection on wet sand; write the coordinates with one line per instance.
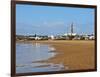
(33, 58)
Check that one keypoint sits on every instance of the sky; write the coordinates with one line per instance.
(53, 20)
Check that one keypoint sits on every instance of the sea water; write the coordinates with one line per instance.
(32, 57)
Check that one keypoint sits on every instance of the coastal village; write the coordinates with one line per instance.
(67, 36)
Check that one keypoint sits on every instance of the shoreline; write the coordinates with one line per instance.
(73, 54)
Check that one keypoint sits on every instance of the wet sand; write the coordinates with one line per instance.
(73, 54)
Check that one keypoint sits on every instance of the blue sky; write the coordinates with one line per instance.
(48, 20)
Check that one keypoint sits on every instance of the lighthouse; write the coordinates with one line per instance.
(71, 33)
(71, 29)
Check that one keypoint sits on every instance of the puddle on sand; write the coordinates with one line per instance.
(28, 56)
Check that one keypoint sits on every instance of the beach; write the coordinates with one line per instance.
(73, 54)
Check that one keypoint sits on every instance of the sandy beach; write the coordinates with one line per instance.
(73, 54)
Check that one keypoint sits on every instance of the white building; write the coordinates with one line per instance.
(91, 37)
(70, 34)
(37, 38)
(52, 37)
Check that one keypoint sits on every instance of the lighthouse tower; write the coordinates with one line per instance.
(72, 34)
(72, 29)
